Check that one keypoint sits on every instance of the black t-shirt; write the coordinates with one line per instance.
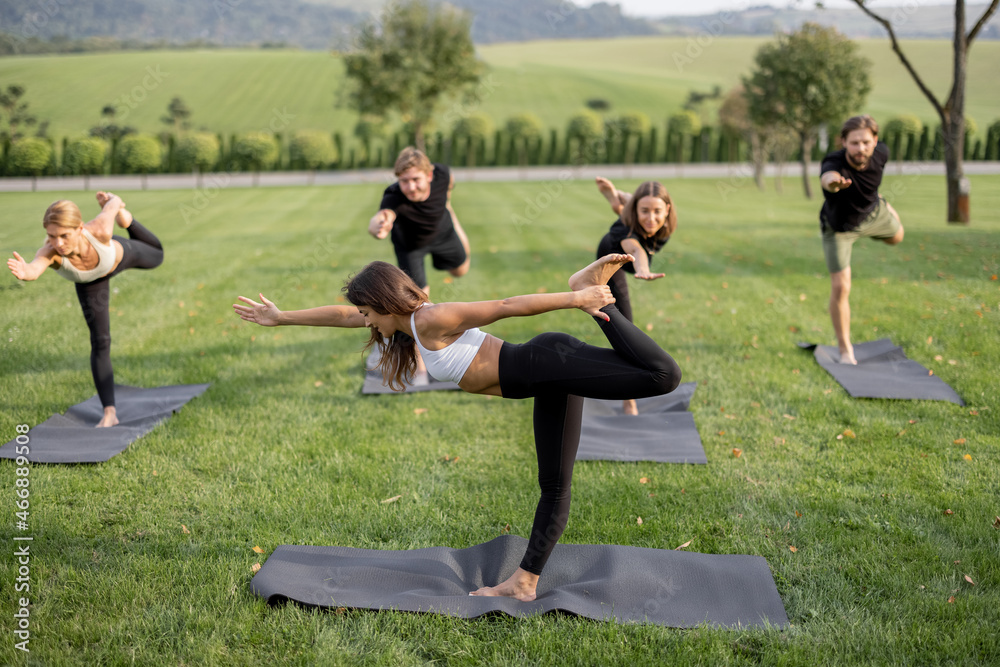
(612, 243)
(418, 223)
(844, 210)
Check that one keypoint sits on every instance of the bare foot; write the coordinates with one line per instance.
(598, 272)
(110, 418)
(630, 407)
(847, 356)
(610, 193)
(124, 218)
(521, 586)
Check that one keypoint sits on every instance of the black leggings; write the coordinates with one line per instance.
(558, 370)
(142, 250)
(618, 283)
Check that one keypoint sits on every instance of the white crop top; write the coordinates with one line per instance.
(450, 363)
(105, 260)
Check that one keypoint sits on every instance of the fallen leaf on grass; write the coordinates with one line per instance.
(638, 520)
(447, 280)
(960, 441)
(788, 416)
(952, 362)
(683, 546)
(797, 514)
(184, 529)
(969, 579)
(974, 413)
(930, 339)
(419, 411)
(643, 480)
(930, 372)
(258, 550)
(951, 600)
(779, 441)
(722, 432)
(649, 326)
(967, 457)
(938, 357)
(448, 458)
(506, 529)
(391, 500)
(948, 512)
(913, 421)
(318, 383)
(996, 523)
(792, 549)
(737, 452)
(255, 568)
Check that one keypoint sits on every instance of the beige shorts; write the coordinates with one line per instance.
(881, 223)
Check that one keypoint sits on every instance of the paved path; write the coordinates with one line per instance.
(662, 172)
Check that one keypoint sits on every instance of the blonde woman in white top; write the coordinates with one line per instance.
(89, 255)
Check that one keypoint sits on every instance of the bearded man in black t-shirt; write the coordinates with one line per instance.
(853, 208)
(416, 212)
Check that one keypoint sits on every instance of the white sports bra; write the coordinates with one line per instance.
(450, 363)
(105, 260)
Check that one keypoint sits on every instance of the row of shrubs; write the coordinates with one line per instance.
(315, 149)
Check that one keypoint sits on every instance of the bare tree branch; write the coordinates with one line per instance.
(899, 52)
(981, 22)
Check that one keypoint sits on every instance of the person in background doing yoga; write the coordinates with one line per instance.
(647, 219)
(88, 255)
(554, 368)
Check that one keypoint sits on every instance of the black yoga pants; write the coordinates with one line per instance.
(558, 370)
(142, 250)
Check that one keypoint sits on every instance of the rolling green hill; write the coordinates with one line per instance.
(231, 91)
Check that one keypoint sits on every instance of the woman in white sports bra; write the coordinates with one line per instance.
(554, 368)
(89, 255)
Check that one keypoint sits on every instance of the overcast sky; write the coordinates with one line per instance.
(669, 7)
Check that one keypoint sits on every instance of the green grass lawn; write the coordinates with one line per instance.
(146, 559)
(233, 91)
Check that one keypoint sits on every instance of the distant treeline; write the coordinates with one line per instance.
(315, 149)
(11, 46)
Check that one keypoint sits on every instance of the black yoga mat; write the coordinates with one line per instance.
(663, 430)
(628, 584)
(72, 438)
(883, 371)
(374, 382)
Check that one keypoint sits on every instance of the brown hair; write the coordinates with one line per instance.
(630, 214)
(388, 291)
(63, 213)
(864, 122)
(412, 157)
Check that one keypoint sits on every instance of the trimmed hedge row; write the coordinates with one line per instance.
(473, 144)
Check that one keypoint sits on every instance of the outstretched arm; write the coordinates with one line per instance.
(23, 270)
(453, 318)
(102, 227)
(267, 314)
(381, 223)
(641, 262)
(834, 181)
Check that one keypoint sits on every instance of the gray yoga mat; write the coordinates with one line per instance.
(374, 382)
(663, 430)
(628, 584)
(883, 371)
(72, 438)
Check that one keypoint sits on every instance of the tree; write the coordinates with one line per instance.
(474, 129)
(177, 115)
(410, 61)
(629, 127)
(108, 129)
(586, 127)
(197, 152)
(16, 111)
(683, 124)
(734, 119)
(139, 154)
(952, 110)
(806, 79)
(85, 156)
(367, 129)
(313, 150)
(523, 128)
(30, 157)
(254, 150)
